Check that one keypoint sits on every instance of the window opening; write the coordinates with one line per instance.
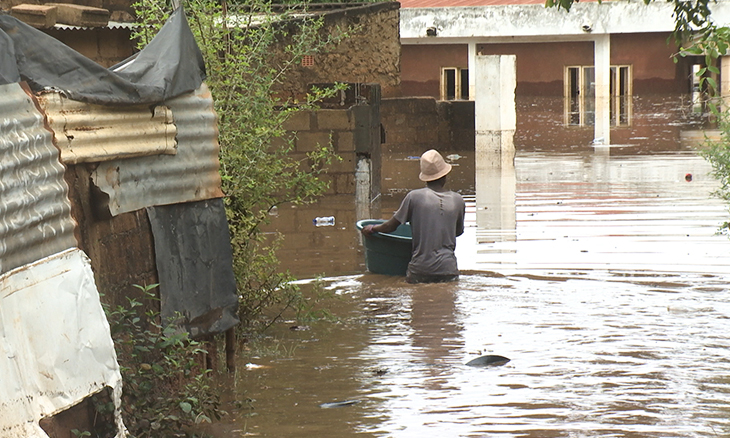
(580, 95)
(454, 83)
(464, 84)
(696, 91)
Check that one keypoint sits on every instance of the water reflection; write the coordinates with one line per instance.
(495, 208)
(632, 357)
(436, 331)
(608, 212)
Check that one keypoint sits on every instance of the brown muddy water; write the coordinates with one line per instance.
(604, 283)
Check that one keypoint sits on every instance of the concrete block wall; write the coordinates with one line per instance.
(417, 124)
(103, 45)
(305, 244)
(314, 129)
(352, 123)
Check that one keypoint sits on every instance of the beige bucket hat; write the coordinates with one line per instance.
(433, 166)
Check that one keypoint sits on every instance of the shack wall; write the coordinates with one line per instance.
(120, 247)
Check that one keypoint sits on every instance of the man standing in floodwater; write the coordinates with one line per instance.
(436, 216)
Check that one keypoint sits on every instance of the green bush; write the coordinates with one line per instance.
(166, 387)
(248, 51)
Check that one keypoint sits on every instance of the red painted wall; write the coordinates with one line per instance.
(421, 67)
(540, 65)
(654, 71)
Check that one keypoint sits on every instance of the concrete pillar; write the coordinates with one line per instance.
(362, 189)
(602, 64)
(472, 70)
(495, 123)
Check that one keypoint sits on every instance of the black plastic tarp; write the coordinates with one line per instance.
(194, 265)
(169, 66)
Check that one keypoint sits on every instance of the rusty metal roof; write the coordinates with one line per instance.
(93, 133)
(35, 213)
(190, 175)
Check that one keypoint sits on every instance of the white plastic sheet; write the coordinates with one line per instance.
(55, 344)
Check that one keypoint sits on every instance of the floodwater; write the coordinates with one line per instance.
(599, 273)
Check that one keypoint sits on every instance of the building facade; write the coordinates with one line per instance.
(595, 72)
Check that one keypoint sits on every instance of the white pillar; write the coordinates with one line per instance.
(362, 189)
(602, 64)
(472, 70)
(495, 122)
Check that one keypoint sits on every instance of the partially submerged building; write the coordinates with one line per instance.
(108, 179)
(600, 74)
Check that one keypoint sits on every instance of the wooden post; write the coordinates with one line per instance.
(231, 350)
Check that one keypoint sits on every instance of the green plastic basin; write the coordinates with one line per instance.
(387, 253)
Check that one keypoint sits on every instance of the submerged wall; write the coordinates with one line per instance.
(423, 123)
(352, 122)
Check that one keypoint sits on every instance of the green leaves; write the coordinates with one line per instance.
(166, 386)
(186, 407)
(249, 54)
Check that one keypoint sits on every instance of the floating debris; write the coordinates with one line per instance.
(253, 366)
(379, 371)
(338, 404)
(489, 360)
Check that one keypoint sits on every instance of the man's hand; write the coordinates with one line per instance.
(386, 227)
(368, 230)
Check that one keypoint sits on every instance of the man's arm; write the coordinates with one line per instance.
(460, 220)
(386, 227)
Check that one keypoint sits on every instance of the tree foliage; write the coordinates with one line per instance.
(248, 50)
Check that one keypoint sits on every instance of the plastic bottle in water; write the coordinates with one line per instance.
(325, 221)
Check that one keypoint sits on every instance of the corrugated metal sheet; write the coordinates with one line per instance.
(35, 213)
(55, 344)
(94, 133)
(190, 175)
